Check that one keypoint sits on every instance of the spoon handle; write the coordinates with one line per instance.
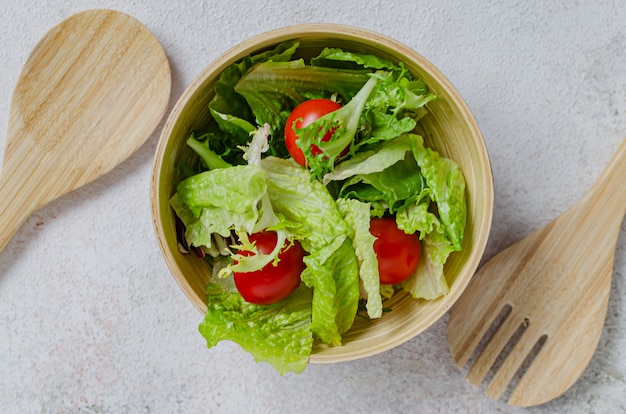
(608, 195)
(16, 204)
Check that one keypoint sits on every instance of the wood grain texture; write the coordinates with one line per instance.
(557, 282)
(91, 92)
(449, 128)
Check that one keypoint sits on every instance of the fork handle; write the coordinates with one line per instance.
(608, 195)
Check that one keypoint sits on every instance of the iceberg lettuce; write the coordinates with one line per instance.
(357, 215)
(279, 334)
(332, 269)
(447, 184)
(429, 281)
(208, 203)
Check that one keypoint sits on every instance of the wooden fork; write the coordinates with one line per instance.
(553, 288)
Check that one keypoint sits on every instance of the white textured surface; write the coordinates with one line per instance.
(91, 321)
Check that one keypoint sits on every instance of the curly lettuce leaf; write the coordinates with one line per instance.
(234, 119)
(387, 106)
(398, 93)
(394, 107)
(279, 334)
(342, 124)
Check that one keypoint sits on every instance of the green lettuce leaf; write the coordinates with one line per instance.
(338, 58)
(308, 203)
(279, 334)
(387, 106)
(388, 177)
(447, 184)
(418, 218)
(396, 187)
(332, 269)
(215, 189)
(357, 215)
(234, 119)
(428, 281)
(372, 161)
(211, 160)
(273, 89)
(335, 292)
(342, 124)
(229, 109)
(394, 107)
(208, 203)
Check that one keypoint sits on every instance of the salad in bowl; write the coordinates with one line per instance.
(309, 196)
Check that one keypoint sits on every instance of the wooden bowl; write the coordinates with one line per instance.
(449, 128)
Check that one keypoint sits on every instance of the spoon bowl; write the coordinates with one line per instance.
(91, 92)
(548, 296)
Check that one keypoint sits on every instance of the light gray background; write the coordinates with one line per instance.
(91, 320)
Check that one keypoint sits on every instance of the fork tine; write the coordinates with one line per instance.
(543, 380)
(470, 321)
(513, 362)
(494, 347)
(562, 359)
(463, 342)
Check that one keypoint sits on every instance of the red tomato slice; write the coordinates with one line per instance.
(271, 283)
(303, 115)
(398, 253)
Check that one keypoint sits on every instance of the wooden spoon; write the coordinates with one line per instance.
(90, 94)
(554, 289)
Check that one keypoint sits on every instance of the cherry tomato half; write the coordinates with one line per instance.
(398, 253)
(304, 114)
(271, 283)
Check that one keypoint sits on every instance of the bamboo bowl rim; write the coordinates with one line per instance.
(450, 128)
